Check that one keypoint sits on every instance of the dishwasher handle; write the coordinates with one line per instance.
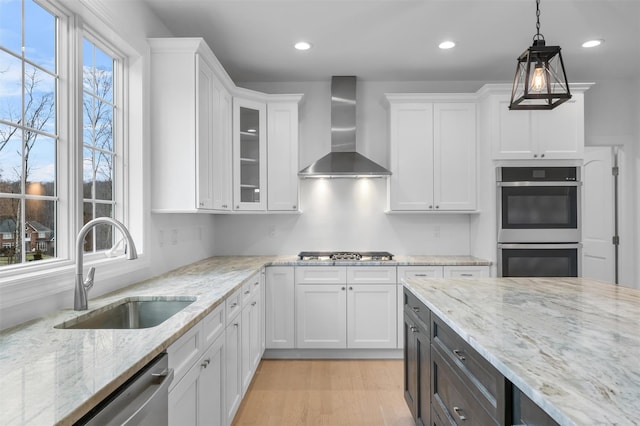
(158, 391)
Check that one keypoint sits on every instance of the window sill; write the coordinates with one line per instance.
(21, 286)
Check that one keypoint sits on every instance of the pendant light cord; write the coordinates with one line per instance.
(538, 36)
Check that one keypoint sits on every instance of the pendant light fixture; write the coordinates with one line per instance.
(541, 80)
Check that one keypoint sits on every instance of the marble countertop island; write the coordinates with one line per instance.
(54, 376)
(572, 345)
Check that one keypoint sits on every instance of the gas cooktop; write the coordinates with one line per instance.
(345, 255)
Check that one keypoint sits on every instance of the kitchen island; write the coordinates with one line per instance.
(54, 376)
(571, 345)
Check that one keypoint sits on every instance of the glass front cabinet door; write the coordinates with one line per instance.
(249, 154)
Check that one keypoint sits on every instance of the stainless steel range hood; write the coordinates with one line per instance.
(343, 160)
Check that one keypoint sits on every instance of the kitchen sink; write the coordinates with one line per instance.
(130, 313)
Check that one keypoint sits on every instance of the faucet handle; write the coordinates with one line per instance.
(88, 282)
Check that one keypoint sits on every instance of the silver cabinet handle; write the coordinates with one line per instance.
(350, 288)
(535, 155)
(419, 275)
(431, 206)
(234, 304)
(413, 329)
(205, 363)
(415, 308)
(256, 283)
(224, 206)
(541, 155)
(466, 275)
(247, 292)
(295, 207)
(458, 354)
(459, 413)
(254, 303)
(437, 207)
(235, 324)
(343, 288)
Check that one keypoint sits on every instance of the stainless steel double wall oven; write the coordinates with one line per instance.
(539, 221)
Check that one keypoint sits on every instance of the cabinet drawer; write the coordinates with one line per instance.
(321, 275)
(233, 305)
(413, 305)
(466, 271)
(251, 286)
(184, 352)
(451, 398)
(371, 275)
(477, 372)
(213, 325)
(527, 412)
(405, 272)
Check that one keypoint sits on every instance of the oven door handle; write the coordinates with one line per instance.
(539, 246)
(542, 184)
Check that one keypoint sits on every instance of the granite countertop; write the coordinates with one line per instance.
(54, 376)
(572, 345)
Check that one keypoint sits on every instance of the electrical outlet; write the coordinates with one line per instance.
(174, 237)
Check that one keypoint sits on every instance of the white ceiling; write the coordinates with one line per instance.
(398, 40)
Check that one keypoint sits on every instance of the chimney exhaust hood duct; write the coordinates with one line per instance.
(343, 160)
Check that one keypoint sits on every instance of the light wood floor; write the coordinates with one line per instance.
(325, 393)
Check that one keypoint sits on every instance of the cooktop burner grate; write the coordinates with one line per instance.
(345, 255)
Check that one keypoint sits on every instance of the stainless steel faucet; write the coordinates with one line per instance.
(82, 285)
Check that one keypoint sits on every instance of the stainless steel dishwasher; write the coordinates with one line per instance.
(140, 401)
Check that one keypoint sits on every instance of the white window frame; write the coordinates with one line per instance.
(43, 279)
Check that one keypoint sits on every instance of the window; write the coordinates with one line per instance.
(40, 206)
(99, 157)
(28, 123)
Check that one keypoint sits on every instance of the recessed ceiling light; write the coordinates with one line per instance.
(446, 45)
(592, 43)
(302, 45)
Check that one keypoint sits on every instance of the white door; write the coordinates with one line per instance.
(411, 181)
(282, 156)
(371, 316)
(598, 214)
(279, 307)
(454, 156)
(321, 316)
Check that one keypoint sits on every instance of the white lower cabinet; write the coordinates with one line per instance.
(359, 313)
(196, 396)
(371, 316)
(251, 335)
(233, 361)
(279, 307)
(321, 319)
(215, 361)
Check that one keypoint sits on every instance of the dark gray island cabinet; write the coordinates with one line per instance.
(447, 382)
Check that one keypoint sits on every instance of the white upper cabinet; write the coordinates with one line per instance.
(411, 181)
(186, 123)
(222, 152)
(212, 142)
(282, 154)
(265, 152)
(454, 162)
(249, 154)
(540, 134)
(433, 154)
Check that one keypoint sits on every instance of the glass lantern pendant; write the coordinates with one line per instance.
(541, 80)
